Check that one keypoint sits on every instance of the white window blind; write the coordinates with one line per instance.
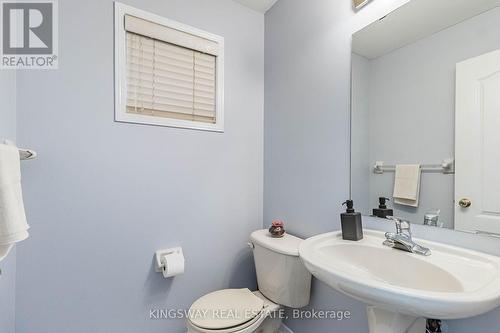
(170, 35)
(169, 80)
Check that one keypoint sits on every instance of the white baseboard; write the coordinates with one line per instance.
(284, 329)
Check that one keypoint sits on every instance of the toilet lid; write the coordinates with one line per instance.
(225, 308)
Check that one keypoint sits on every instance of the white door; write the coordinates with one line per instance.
(477, 144)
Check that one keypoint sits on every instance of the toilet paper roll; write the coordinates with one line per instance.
(173, 264)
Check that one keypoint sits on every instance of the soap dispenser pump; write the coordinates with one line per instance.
(352, 228)
(382, 211)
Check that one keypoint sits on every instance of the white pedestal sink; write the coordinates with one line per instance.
(400, 287)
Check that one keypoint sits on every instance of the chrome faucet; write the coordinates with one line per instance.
(431, 218)
(402, 239)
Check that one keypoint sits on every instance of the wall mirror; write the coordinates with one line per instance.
(425, 114)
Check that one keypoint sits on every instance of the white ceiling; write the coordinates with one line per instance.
(414, 21)
(258, 5)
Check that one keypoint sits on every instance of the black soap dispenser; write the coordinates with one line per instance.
(352, 228)
(382, 211)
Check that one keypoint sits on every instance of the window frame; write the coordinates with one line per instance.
(120, 39)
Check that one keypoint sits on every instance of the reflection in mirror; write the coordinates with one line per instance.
(425, 111)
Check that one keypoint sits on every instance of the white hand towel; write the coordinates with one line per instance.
(407, 185)
(13, 225)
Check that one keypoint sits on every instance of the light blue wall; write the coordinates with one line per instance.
(7, 105)
(7, 266)
(8, 293)
(306, 159)
(360, 148)
(103, 196)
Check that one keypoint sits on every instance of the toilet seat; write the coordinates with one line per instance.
(226, 310)
(247, 327)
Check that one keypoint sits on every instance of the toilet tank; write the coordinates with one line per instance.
(281, 276)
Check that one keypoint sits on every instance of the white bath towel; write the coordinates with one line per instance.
(407, 185)
(13, 225)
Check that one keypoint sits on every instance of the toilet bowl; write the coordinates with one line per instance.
(282, 279)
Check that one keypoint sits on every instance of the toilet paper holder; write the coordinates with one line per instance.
(161, 258)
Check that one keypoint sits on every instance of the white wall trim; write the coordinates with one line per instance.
(284, 329)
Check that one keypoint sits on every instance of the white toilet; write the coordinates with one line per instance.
(283, 281)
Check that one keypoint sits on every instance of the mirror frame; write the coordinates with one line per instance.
(358, 4)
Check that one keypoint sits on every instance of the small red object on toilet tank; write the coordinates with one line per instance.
(277, 229)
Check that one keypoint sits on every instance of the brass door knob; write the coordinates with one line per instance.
(465, 203)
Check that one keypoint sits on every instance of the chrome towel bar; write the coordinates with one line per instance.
(27, 154)
(446, 167)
